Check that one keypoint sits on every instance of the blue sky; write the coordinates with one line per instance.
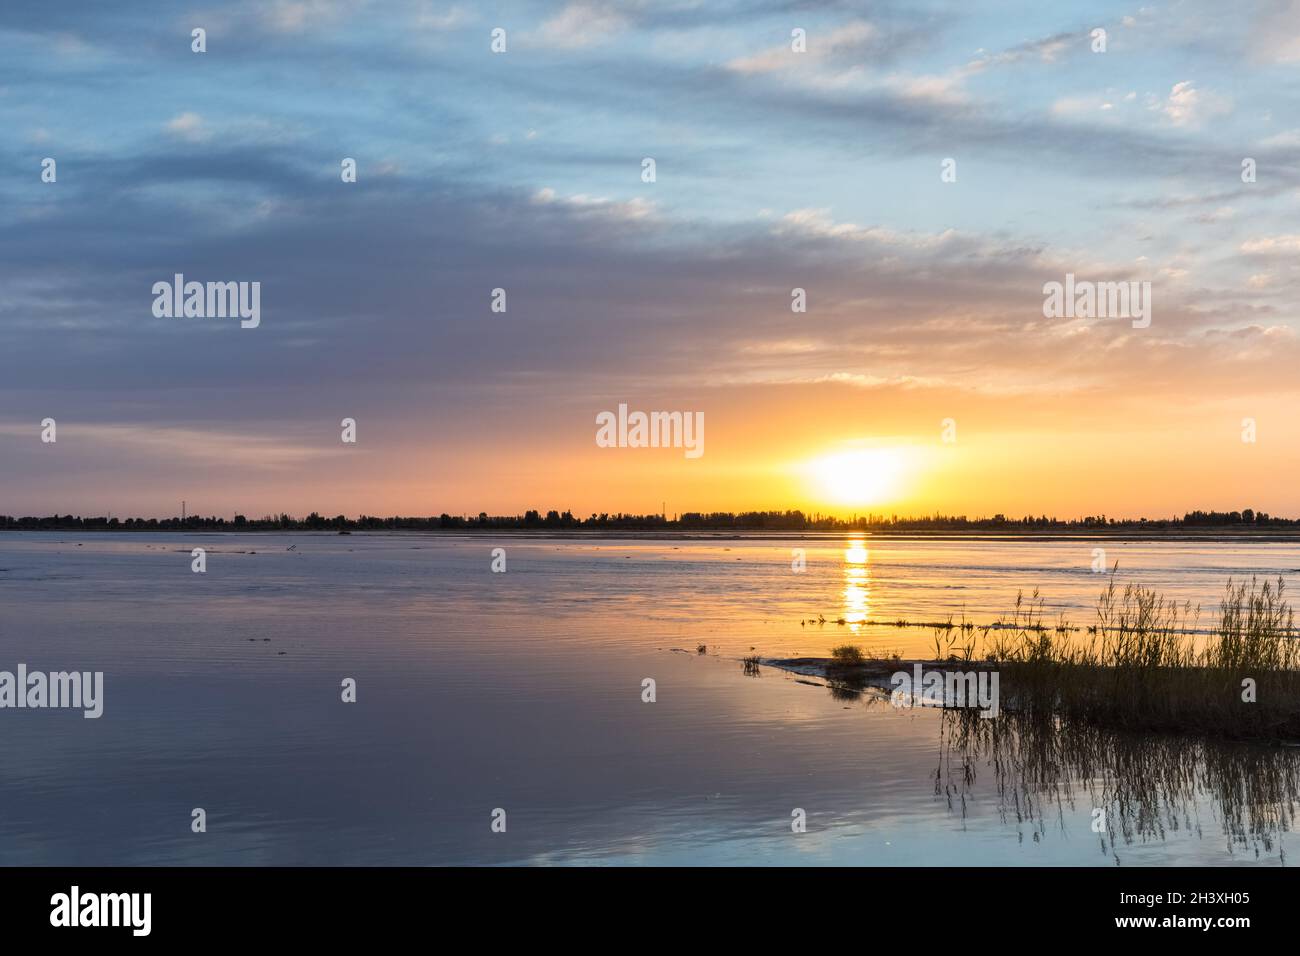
(522, 170)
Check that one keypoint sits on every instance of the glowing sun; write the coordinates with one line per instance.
(862, 477)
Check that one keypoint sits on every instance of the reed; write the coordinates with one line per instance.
(1146, 664)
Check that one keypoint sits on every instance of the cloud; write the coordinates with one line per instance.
(1186, 106)
(849, 58)
(298, 16)
(1275, 33)
(818, 222)
(189, 127)
(1219, 214)
(581, 204)
(1094, 107)
(662, 299)
(1272, 246)
(438, 17)
(857, 38)
(1048, 49)
(942, 90)
(1288, 139)
(582, 23)
(843, 60)
(242, 449)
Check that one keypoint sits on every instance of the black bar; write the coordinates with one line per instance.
(942, 905)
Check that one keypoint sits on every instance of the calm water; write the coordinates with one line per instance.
(522, 691)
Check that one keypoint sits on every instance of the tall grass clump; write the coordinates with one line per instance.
(1146, 664)
(847, 654)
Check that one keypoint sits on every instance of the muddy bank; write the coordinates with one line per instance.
(870, 673)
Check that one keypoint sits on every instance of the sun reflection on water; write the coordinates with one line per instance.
(857, 592)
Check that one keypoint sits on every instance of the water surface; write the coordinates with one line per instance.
(523, 691)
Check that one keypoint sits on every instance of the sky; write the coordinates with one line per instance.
(923, 376)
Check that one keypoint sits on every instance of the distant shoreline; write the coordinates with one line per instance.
(1209, 535)
(1197, 525)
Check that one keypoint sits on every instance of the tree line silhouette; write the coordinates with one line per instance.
(553, 520)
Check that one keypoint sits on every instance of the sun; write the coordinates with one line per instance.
(865, 477)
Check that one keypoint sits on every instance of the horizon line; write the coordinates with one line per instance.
(567, 519)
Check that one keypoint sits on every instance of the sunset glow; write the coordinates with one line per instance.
(866, 477)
